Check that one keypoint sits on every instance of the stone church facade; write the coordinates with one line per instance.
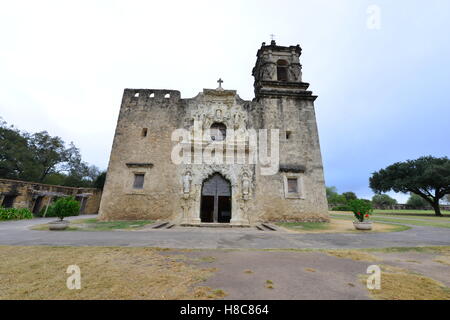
(145, 182)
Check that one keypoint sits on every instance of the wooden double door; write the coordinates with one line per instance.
(216, 200)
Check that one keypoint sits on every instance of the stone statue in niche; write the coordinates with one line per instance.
(268, 71)
(237, 120)
(245, 185)
(200, 117)
(218, 114)
(294, 72)
(187, 179)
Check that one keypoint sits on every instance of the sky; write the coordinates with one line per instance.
(381, 69)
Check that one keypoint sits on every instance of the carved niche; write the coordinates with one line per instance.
(232, 117)
(295, 72)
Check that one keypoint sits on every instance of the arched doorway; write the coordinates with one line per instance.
(216, 200)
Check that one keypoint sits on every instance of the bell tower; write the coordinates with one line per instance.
(278, 72)
(285, 104)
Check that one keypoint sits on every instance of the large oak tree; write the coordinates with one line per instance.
(428, 177)
(41, 157)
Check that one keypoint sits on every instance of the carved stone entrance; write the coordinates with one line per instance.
(216, 200)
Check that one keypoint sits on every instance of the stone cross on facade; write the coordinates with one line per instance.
(220, 81)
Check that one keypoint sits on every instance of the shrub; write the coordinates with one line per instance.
(15, 214)
(65, 207)
(49, 212)
(361, 208)
(341, 208)
(336, 200)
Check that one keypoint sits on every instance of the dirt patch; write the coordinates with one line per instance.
(206, 293)
(272, 275)
(443, 259)
(106, 273)
(428, 262)
(408, 286)
(269, 284)
(352, 254)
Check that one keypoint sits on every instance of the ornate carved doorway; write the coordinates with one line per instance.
(216, 200)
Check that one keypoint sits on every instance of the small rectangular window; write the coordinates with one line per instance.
(138, 181)
(292, 185)
(144, 132)
(288, 135)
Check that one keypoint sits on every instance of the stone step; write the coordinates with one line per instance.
(269, 226)
(159, 225)
(213, 225)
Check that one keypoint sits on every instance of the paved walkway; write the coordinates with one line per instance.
(19, 233)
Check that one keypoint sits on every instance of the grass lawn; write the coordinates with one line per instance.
(337, 226)
(412, 220)
(400, 284)
(94, 225)
(106, 273)
(418, 213)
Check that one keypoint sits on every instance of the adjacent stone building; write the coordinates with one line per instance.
(37, 196)
(145, 181)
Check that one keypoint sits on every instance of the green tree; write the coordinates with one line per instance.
(79, 173)
(417, 202)
(334, 198)
(349, 196)
(428, 177)
(48, 152)
(331, 192)
(42, 158)
(99, 182)
(56, 178)
(383, 200)
(15, 158)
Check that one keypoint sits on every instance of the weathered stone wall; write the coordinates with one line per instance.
(150, 154)
(162, 195)
(173, 192)
(25, 194)
(300, 151)
(93, 201)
